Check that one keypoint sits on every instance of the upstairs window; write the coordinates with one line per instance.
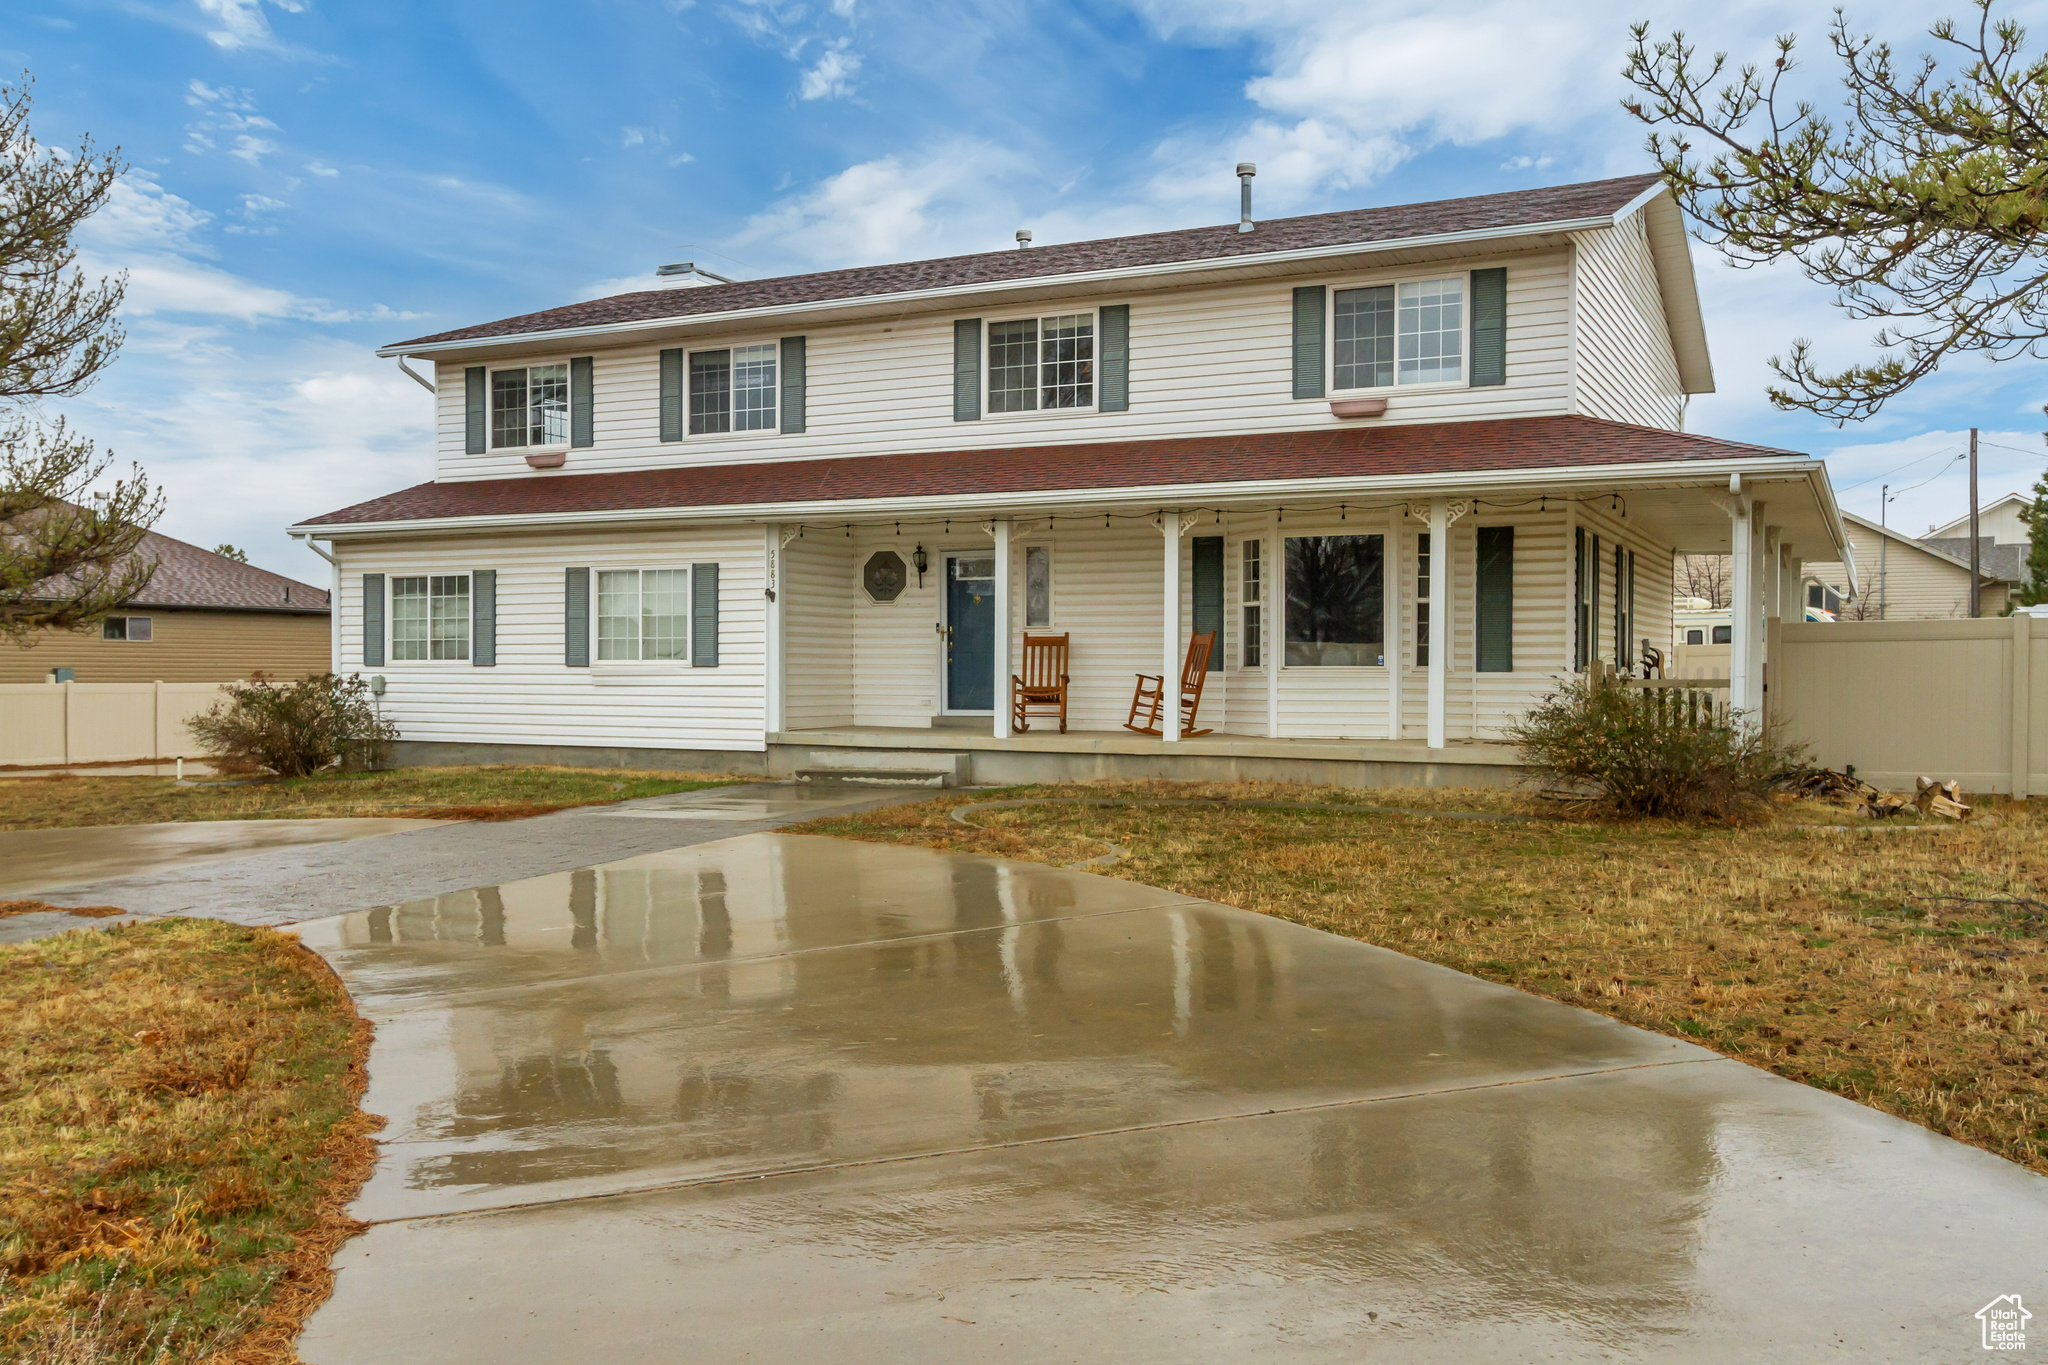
(1392, 334)
(1042, 363)
(732, 390)
(530, 406)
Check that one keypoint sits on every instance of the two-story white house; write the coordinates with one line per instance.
(1410, 467)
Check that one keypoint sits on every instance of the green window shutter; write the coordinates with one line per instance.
(1494, 627)
(1113, 360)
(672, 395)
(1308, 341)
(582, 401)
(483, 617)
(1489, 327)
(1207, 581)
(576, 618)
(476, 418)
(373, 620)
(967, 370)
(793, 380)
(703, 616)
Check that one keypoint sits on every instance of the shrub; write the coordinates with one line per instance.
(291, 729)
(1646, 751)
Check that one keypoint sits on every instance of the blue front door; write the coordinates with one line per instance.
(970, 632)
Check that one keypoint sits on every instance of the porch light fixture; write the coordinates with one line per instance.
(920, 561)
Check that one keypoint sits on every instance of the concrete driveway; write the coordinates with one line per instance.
(781, 1097)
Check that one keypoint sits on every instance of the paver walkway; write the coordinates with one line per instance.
(781, 1097)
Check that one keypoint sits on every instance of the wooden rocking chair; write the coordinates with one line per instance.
(1150, 696)
(1043, 684)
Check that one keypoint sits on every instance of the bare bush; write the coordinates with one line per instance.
(1649, 752)
(292, 729)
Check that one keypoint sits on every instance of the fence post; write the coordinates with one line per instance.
(156, 721)
(2021, 728)
(67, 723)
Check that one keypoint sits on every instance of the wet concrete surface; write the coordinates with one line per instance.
(286, 885)
(779, 1095)
(37, 860)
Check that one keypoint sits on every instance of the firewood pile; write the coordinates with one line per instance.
(1824, 784)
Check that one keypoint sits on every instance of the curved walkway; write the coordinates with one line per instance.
(783, 1097)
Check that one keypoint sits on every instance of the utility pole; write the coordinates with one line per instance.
(1976, 569)
(1884, 541)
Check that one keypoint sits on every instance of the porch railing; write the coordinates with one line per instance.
(1687, 702)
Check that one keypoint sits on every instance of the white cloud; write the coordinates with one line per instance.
(252, 149)
(261, 203)
(320, 169)
(141, 214)
(242, 23)
(952, 198)
(1528, 163)
(832, 77)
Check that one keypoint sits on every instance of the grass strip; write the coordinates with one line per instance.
(499, 792)
(180, 1138)
(1909, 974)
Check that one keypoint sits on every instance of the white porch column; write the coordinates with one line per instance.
(1440, 625)
(1001, 528)
(1774, 585)
(1272, 621)
(774, 704)
(1396, 560)
(1742, 599)
(1791, 585)
(1170, 660)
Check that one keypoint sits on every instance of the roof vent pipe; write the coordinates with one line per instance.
(1023, 238)
(1245, 171)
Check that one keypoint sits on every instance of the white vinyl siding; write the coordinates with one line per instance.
(1203, 361)
(1626, 370)
(531, 697)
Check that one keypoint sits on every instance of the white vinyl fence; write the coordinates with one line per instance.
(48, 724)
(1963, 699)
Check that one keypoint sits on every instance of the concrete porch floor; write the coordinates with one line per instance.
(1045, 755)
(784, 1097)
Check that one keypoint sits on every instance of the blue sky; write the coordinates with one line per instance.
(312, 179)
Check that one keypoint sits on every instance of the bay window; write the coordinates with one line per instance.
(642, 615)
(530, 406)
(1335, 603)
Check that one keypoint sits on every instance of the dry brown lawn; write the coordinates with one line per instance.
(506, 792)
(1903, 967)
(179, 1140)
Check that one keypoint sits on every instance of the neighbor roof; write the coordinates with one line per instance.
(1508, 445)
(187, 576)
(1562, 204)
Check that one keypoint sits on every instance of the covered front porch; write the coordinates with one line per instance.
(1396, 631)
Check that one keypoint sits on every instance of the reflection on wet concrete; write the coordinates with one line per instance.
(41, 859)
(1101, 1120)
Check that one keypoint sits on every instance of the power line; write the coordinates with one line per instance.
(1959, 454)
(2037, 454)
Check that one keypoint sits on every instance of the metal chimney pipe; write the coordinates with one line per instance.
(1245, 171)
(1023, 238)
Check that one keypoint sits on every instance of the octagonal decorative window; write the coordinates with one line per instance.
(883, 576)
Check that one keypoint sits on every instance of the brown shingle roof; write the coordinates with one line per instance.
(187, 576)
(1513, 444)
(1518, 208)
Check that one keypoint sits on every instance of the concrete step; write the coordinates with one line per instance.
(953, 766)
(875, 777)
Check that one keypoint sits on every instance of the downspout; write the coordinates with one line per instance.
(415, 376)
(305, 538)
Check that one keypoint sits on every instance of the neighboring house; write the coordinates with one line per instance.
(2002, 540)
(203, 618)
(1411, 465)
(1904, 579)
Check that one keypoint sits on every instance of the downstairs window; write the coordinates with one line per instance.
(1335, 601)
